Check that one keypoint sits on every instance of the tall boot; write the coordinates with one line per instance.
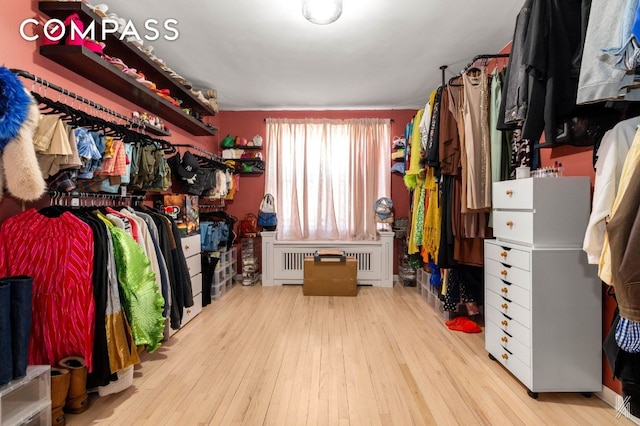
(21, 294)
(6, 357)
(60, 379)
(77, 398)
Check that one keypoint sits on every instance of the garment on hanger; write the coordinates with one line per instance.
(476, 142)
(611, 155)
(599, 80)
(58, 253)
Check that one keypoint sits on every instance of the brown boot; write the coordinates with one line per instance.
(60, 379)
(77, 398)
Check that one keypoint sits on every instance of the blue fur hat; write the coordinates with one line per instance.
(14, 106)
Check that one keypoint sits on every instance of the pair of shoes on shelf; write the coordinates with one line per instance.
(71, 38)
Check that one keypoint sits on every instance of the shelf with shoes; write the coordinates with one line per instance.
(27, 400)
(157, 131)
(250, 252)
(224, 274)
(92, 66)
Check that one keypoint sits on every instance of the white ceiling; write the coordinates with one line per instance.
(380, 54)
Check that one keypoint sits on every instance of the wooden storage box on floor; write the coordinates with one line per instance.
(322, 278)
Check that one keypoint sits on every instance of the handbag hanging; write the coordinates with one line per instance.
(267, 217)
(268, 204)
(249, 226)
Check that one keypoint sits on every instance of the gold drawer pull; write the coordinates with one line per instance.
(504, 339)
(509, 192)
(505, 290)
(505, 357)
(505, 306)
(187, 247)
(505, 323)
(504, 254)
(503, 272)
(188, 311)
(509, 223)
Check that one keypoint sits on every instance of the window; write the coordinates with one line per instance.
(326, 176)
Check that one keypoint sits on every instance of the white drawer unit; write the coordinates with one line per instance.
(546, 212)
(224, 274)
(191, 250)
(542, 299)
(27, 401)
(547, 333)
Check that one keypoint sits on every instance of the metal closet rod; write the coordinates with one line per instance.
(486, 56)
(211, 155)
(48, 85)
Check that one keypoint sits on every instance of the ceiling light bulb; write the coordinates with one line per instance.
(322, 12)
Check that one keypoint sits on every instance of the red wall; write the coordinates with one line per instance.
(250, 123)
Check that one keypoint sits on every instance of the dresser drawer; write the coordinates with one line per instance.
(194, 264)
(510, 291)
(513, 225)
(511, 360)
(196, 284)
(512, 327)
(510, 309)
(508, 273)
(514, 346)
(507, 255)
(190, 245)
(513, 194)
(189, 313)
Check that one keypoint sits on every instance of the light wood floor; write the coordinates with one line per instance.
(275, 357)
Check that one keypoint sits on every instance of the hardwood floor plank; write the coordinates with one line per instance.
(271, 356)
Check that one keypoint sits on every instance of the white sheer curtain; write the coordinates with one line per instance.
(326, 175)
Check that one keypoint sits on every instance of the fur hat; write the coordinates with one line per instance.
(14, 102)
(18, 162)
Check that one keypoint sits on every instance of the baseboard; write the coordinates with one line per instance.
(617, 402)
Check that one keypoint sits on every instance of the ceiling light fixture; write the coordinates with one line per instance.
(322, 12)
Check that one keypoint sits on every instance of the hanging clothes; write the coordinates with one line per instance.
(141, 299)
(477, 150)
(58, 253)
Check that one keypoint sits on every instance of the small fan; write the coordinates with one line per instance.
(383, 210)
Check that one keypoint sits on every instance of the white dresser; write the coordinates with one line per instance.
(542, 300)
(191, 248)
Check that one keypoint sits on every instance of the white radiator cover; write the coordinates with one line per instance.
(283, 261)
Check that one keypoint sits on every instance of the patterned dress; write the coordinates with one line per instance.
(57, 252)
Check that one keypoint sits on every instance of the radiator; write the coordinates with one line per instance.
(283, 261)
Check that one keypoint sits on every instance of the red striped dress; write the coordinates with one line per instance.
(58, 253)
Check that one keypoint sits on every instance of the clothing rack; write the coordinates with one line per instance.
(204, 152)
(92, 199)
(166, 146)
(212, 207)
(47, 85)
(470, 64)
